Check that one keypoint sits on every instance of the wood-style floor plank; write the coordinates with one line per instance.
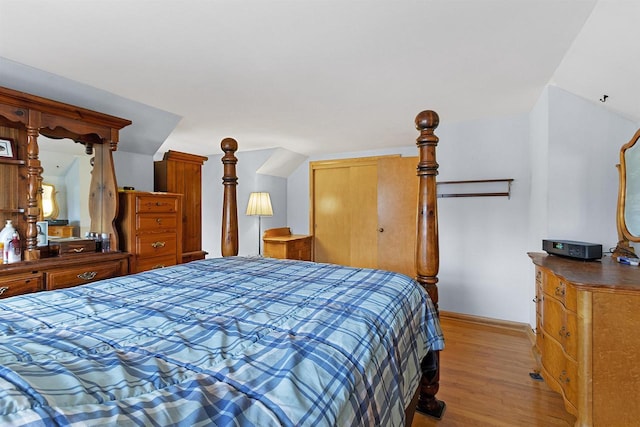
(485, 380)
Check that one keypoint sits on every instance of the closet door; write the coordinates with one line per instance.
(364, 220)
(397, 214)
(332, 223)
(343, 214)
(363, 212)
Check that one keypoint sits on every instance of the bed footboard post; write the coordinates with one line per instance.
(229, 243)
(427, 251)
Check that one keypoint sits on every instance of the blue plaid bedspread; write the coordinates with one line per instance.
(226, 341)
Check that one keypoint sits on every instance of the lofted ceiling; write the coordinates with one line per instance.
(314, 76)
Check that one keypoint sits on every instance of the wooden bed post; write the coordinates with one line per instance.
(427, 251)
(229, 243)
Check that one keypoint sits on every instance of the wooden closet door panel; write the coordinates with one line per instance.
(189, 173)
(397, 198)
(332, 218)
(363, 203)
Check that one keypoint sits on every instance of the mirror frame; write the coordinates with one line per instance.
(32, 116)
(624, 235)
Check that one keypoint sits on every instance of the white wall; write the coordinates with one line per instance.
(584, 148)
(133, 170)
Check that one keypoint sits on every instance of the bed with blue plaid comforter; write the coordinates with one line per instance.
(226, 341)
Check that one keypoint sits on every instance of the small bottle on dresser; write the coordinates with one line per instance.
(98, 239)
(106, 243)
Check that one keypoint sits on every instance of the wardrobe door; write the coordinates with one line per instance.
(331, 216)
(363, 197)
(364, 212)
(343, 215)
(397, 215)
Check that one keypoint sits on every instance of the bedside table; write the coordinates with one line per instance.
(280, 243)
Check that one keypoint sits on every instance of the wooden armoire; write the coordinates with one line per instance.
(181, 173)
(363, 212)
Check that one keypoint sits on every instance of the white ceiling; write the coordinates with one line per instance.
(315, 76)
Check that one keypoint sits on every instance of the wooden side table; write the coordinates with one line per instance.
(64, 231)
(280, 243)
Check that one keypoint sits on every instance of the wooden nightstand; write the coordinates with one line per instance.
(280, 243)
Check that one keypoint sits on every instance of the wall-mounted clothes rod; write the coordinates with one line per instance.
(477, 188)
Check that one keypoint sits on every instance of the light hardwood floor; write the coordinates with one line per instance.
(485, 381)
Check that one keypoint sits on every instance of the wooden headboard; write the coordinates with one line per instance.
(427, 247)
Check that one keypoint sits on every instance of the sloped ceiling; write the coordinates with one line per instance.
(314, 76)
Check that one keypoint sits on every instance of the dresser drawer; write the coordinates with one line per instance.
(559, 372)
(65, 278)
(149, 245)
(560, 325)
(156, 222)
(156, 203)
(144, 264)
(558, 288)
(18, 284)
(74, 246)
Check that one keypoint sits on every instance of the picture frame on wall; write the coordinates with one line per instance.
(7, 149)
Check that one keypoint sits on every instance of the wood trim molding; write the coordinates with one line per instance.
(490, 323)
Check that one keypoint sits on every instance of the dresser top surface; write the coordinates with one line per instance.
(604, 273)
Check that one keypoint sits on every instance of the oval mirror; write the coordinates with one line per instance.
(50, 208)
(628, 216)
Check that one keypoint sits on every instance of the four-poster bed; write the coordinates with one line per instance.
(244, 340)
(427, 245)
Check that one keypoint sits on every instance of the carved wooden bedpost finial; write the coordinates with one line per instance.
(427, 251)
(229, 243)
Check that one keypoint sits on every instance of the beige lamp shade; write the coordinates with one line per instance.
(259, 204)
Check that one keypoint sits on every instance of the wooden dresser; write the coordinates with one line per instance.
(60, 272)
(23, 119)
(150, 229)
(587, 341)
(280, 243)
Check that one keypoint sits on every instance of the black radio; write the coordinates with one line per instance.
(571, 249)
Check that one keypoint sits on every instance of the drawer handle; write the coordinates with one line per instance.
(564, 333)
(564, 378)
(3, 289)
(158, 244)
(560, 291)
(77, 250)
(537, 300)
(158, 266)
(87, 275)
(159, 220)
